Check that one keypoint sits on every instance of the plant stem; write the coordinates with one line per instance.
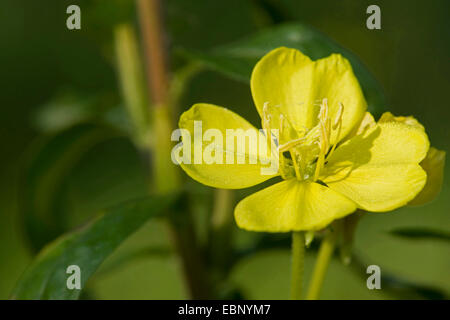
(166, 177)
(322, 262)
(298, 259)
(184, 238)
(221, 224)
(150, 20)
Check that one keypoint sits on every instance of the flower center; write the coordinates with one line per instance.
(304, 154)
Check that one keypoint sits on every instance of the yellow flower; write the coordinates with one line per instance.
(333, 157)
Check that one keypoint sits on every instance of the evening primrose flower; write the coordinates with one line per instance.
(333, 157)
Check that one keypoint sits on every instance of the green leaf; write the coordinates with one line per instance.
(129, 257)
(238, 59)
(63, 111)
(69, 108)
(42, 184)
(87, 248)
(419, 233)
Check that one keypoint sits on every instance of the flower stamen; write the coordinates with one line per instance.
(280, 153)
(298, 172)
(337, 125)
(291, 144)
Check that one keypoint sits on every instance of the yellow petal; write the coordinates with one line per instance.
(366, 123)
(210, 160)
(409, 120)
(289, 79)
(379, 169)
(292, 205)
(433, 164)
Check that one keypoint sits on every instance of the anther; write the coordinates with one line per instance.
(265, 106)
(289, 145)
(338, 117)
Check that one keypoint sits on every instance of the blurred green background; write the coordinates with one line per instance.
(45, 66)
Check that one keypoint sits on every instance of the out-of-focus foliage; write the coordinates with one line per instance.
(68, 109)
(44, 180)
(238, 59)
(86, 248)
(421, 234)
